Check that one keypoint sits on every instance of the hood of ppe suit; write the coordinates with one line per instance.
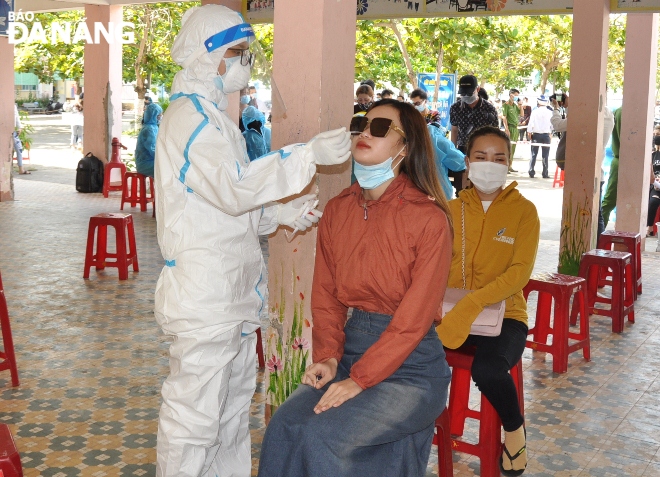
(198, 25)
(251, 114)
(151, 114)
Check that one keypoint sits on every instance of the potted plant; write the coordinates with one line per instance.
(26, 132)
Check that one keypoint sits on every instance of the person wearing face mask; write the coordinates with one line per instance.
(448, 159)
(469, 113)
(243, 103)
(257, 135)
(145, 148)
(364, 98)
(511, 113)
(367, 405)
(500, 242)
(212, 206)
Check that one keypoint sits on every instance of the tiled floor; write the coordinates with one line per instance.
(92, 359)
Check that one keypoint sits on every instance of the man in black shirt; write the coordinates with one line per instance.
(469, 113)
(466, 115)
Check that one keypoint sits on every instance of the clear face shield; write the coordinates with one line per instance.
(260, 65)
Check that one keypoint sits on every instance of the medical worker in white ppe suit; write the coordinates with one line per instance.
(212, 205)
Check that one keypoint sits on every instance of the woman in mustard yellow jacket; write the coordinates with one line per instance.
(501, 240)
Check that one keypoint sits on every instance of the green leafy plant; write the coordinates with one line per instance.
(26, 130)
(573, 231)
(129, 160)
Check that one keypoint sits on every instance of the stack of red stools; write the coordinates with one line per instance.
(560, 288)
(489, 447)
(123, 225)
(135, 191)
(10, 461)
(7, 357)
(632, 242)
(595, 264)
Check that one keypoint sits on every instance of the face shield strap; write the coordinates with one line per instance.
(230, 35)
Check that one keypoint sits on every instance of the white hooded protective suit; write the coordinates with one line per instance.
(210, 211)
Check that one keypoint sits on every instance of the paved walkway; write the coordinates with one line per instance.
(92, 359)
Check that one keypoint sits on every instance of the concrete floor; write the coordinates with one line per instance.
(92, 359)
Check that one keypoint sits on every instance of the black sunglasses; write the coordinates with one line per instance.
(378, 127)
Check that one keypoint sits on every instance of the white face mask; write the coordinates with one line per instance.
(470, 99)
(487, 176)
(421, 107)
(236, 77)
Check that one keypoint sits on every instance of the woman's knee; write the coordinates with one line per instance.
(490, 372)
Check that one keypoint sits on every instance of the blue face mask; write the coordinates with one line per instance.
(245, 99)
(370, 177)
(515, 98)
(219, 80)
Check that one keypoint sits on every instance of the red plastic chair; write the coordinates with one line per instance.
(7, 357)
(10, 461)
(489, 447)
(593, 265)
(633, 245)
(123, 225)
(560, 288)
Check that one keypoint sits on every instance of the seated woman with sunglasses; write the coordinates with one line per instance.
(497, 235)
(368, 404)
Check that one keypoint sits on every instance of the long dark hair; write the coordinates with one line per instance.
(419, 163)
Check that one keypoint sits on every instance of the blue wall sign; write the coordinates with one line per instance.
(446, 92)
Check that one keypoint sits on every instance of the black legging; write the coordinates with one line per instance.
(654, 202)
(494, 357)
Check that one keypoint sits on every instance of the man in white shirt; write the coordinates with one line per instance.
(560, 124)
(538, 131)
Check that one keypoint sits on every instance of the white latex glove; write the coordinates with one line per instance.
(331, 147)
(299, 213)
(656, 184)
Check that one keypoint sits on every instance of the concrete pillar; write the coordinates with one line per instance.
(314, 66)
(584, 147)
(637, 122)
(6, 118)
(103, 83)
(234, 98)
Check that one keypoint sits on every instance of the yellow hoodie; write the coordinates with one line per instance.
(500, 250)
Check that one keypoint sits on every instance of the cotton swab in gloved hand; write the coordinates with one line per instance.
(306, 211)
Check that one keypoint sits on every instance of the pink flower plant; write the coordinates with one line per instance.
(274, 364)
(300, 343)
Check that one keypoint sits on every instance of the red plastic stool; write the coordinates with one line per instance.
(7, 357)
(123, 225)
(559, 178)
(560, 288)
(592, 265)
(135, 190)
(442, 439)
(107, 186)
(260, 350)
(114, 163)
(633, 244)
(10, 461)
(489, 447)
